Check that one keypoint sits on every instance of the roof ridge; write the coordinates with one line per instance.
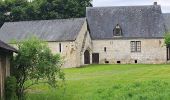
(166, 13)
(67, 19)
(123, 6)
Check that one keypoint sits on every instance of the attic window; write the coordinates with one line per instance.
(117, 31)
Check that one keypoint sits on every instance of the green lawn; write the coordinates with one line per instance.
(110, 82)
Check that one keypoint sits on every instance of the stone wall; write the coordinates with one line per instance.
(71, 50)
(153, 51)
(68, 52)
(83, 42)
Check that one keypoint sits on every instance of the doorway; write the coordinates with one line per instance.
(95, 58)
(86, 57)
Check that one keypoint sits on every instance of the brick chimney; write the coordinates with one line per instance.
(155, 3)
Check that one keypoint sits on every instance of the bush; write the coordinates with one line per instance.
(36, 62)
(10, 88)
(167, 39)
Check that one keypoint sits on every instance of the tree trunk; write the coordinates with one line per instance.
(20, 94)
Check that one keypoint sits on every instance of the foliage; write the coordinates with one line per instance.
(167, 39)
(10, 88)
(110, 82)
(35, 64)
(19, 10)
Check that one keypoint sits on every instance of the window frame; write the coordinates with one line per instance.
(117, 31)
(60, 50)
(135, 46)
(105, 49)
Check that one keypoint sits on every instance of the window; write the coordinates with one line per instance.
(59, 47)
(118, 62)
(168, 52)
(104, 49)
(117, 31)
(106, 62)
(135, 46)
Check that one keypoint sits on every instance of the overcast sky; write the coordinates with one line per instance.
(165, 4)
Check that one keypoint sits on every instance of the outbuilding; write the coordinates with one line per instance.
(6, 53)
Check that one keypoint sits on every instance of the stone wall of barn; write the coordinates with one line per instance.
(83, 42)
(153, 51)
(68, 52)
(71, 51)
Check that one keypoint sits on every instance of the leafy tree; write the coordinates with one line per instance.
(10, 88)
(167, 39)
(2, 11)
(35, 64)
(20, 10)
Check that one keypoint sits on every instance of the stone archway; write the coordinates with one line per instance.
(86, 57)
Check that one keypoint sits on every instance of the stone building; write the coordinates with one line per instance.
(112, 35)
(6, 52)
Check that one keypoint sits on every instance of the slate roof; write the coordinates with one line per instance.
(7, 47)
(47, 30)
(135, 21)
(167, 21)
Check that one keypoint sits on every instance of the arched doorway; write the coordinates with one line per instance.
(86, 57)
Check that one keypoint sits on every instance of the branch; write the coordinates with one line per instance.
(33, 84)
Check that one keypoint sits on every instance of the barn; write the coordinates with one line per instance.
(6, 53)
(107, 35)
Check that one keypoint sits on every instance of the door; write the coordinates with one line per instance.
(86, 57)
(95, 58)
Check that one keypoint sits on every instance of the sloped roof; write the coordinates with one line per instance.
(47, 30)
(7, 47)
(167, 21)
(135, 21)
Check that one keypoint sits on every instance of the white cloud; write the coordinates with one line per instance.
(164, 3)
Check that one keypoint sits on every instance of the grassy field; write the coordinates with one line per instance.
(110, 82)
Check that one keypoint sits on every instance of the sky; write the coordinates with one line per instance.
(165, 4)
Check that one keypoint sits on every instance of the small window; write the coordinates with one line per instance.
(135, 46)
(168, 53)
(59, 47)
(118, 62)
(104, 49)
(117, 31)
(106, 62)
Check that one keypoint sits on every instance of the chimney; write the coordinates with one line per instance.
(155, 3)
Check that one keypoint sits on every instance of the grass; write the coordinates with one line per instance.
(109, 82)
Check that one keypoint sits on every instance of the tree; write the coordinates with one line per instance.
(20, 10)
(167, 39)
(12, 10)
(35, 64)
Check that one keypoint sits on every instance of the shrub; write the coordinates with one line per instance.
(35, 64)
(10, 88)
(167, 39)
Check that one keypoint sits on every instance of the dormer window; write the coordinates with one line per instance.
(117, 31)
